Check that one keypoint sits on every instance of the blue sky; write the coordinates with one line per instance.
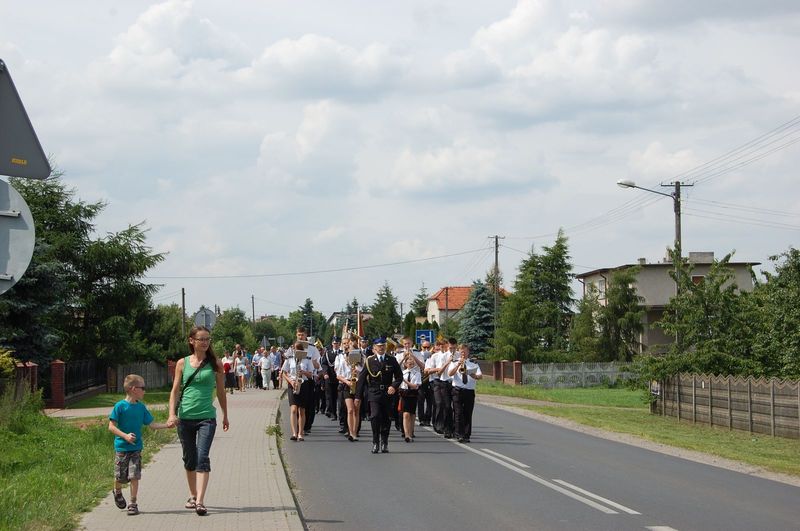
(282, 137)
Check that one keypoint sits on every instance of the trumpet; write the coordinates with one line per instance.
(462, 365)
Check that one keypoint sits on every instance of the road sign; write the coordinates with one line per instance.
(17, 236)
(423, 335)
(21, 155)
(280, 340)
(205, 317)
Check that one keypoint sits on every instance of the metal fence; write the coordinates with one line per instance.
(80, 375)
(755, 405)
(574, 374)
(155, 375)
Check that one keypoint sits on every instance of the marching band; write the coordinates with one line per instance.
(354, 381)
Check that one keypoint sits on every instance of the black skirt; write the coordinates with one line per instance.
(301, 399)
(230, 380)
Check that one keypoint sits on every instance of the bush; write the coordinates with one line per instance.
(7, 363)
(18, 415)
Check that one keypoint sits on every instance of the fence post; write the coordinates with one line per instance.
(497, 369)
(679, 397)
(694, 398)
(772, 406)
(57, 384)
(730, 409)
(711, 400)
(517, 372)
(750, 402)
(662, 389)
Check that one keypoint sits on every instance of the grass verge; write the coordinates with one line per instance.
(592, 396)
(52, 470)
(154, 396)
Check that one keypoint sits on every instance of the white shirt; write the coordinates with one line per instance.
(413, 375)
(458, 380)
(443, 360)
(257, 360)
(290, 367)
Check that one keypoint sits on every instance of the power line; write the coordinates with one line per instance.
(744, 208)
(320, 271)
(737, 219)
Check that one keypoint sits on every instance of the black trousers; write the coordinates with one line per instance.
(310, 405)
(275, 379)
(331, 392)
(425, 402)
(443, 421)
(463, 405)
(259, 383)
(343, 392)
(380, 419)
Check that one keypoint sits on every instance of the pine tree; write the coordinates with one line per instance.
(620, 319)
(420, 303)
(584, 330)
(534, 320)
(385, 319)
(477, 320)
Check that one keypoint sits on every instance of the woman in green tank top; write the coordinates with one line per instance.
(198, 377)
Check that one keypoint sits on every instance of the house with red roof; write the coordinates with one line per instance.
(446, 303)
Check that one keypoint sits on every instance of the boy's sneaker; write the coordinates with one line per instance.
(119, 499)
(133, 509)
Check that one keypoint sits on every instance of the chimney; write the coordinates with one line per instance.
(704, 257)
(642, 261)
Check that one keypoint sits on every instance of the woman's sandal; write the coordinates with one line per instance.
(201, 510)
(191, 503)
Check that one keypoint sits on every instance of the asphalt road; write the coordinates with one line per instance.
(519, 473)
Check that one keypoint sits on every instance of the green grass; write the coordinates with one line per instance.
(154, 396)
(592, 396)
(623, 411)
(52, 470)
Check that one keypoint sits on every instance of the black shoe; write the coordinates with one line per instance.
(119, 499)
(448, 435)
(350, 438)
(374, 448)
(384, 447)
(408, 440)
(466, 440)
(342, 430)
(461, 439)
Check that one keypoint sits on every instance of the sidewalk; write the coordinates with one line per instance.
(247, 489)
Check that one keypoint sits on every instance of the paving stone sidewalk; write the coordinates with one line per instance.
(247, 490)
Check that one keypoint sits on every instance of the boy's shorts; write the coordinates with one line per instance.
(128, 466)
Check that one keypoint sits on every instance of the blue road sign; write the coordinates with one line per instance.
(424, 335)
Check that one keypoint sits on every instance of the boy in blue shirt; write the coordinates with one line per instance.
(125, 422)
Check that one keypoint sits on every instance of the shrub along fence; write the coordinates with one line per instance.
(563, 375)
(768, 406)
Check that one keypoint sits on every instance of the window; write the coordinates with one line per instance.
(697, 279)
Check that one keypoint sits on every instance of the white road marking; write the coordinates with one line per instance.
(660, 528)
(596, 497)
(537, 479)
(497, 454)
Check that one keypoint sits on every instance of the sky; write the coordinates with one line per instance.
(264, 142)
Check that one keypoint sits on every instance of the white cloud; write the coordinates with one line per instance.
(316, 67)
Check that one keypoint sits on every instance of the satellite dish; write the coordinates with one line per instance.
(205, 317)
(17, 236)
(21, 154)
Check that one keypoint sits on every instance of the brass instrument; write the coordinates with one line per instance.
(391, 346)
(353, 359)
(299, 356)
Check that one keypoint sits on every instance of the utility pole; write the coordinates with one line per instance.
(446, 306)
(496, 282)
(183, 313)
(253, 303)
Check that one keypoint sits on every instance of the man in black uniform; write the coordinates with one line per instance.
(329, 381)
(382, 377)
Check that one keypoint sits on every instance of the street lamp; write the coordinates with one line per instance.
(676, 199)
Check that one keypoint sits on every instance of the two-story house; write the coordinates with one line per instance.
(656, 287)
